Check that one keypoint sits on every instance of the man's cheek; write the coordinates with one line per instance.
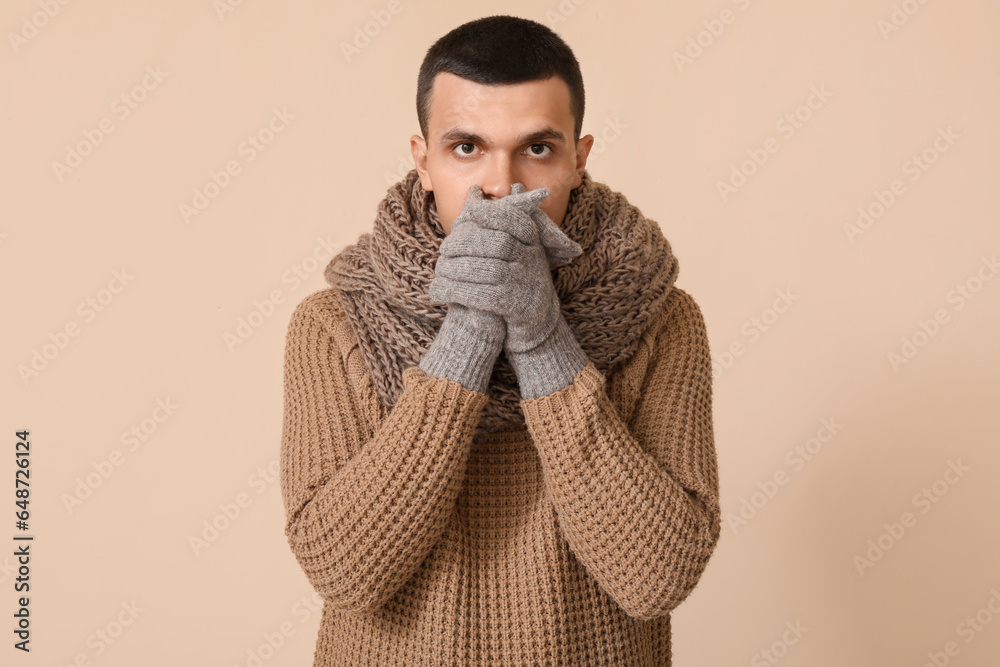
(550, 209)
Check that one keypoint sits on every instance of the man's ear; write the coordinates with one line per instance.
(583, 147)
(418, 149)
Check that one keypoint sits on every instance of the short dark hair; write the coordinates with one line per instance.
(497, 50)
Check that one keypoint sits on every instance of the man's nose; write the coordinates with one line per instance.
(496, 190)
(498, 180)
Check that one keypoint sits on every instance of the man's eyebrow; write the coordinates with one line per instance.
(461, 134)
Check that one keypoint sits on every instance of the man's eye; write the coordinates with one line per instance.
(545, 146)
(535, 150)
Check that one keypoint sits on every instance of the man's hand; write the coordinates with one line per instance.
(497, 259)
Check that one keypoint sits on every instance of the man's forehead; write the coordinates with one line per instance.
(469, 88)
(461, 109)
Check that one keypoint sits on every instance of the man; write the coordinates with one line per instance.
(497, 444)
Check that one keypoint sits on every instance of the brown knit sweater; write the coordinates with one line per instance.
(566, 543)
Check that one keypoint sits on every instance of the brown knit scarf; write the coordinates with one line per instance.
(610, 294)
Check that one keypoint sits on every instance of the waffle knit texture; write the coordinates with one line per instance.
(563, 542)
(608, 295)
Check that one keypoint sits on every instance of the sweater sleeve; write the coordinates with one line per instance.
(638, 502)
(363, 509)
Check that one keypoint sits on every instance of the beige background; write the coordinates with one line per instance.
(894, 77)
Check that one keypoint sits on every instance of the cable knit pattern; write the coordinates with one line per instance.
(563, 542)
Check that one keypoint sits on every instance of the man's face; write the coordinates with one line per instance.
(495, 136)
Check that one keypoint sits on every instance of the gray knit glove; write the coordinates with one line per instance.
(466, 347)
(501, 264)
(470, 340)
